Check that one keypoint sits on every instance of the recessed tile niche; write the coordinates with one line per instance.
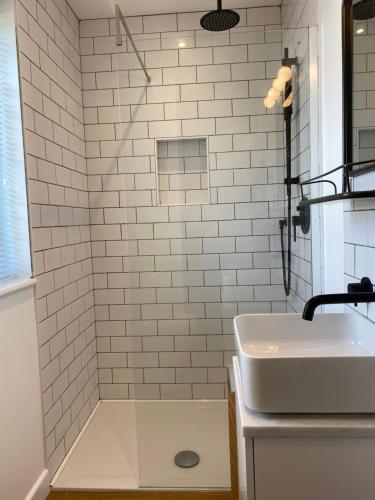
(182, 170)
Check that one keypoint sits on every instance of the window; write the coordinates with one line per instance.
(14, 236)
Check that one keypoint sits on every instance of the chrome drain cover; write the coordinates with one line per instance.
(186, 459)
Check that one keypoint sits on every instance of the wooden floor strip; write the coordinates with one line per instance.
(140, 495)
(233, 442)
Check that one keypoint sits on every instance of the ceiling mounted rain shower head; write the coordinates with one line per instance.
(364, 9)
(220, 19)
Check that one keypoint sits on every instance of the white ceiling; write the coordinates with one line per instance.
(95, 9)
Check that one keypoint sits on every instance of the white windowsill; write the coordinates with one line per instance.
(11, 286)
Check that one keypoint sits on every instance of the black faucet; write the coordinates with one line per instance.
(362, 292)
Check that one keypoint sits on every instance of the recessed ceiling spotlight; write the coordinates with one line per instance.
(360, 30)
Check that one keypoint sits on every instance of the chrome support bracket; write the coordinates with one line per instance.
(120, 19)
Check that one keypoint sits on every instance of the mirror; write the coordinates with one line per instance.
(359, 84)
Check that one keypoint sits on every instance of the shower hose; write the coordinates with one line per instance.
(286, 268)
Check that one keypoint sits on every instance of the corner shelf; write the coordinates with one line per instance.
(340, 196)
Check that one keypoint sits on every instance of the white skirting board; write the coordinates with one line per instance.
(41, 488)
(22, 454)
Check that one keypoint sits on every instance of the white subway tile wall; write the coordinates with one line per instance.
(50, 72)
(169, 279)
(296, 18)
(359, 242)
(359, 216)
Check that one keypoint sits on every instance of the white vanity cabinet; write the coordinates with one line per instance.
(303, 457)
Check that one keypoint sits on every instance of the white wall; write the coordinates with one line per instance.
(22, 462)
(349, 244)
(331, 140)
(298, 18)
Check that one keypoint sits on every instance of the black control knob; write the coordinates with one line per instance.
(365, 286)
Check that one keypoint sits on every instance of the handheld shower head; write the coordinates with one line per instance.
(220, 19)
(363, 10)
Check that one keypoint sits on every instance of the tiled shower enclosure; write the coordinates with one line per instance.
(171, 270)
(141, 264)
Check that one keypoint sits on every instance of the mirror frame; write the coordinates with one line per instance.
(347, 104)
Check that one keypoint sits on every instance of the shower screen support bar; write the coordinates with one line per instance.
(121, 19)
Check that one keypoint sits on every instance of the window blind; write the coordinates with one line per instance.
(14, 236)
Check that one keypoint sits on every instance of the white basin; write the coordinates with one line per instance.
(289, 365)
